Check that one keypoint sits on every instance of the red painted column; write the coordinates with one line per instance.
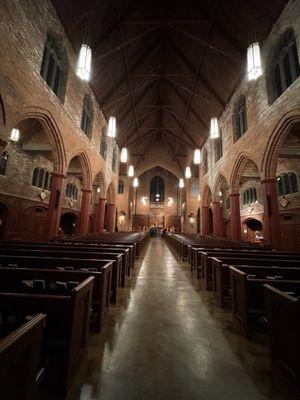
(218, 226)
(101, 215)
(84, 213)
(271, 226)
(235, 217)
(54, 208)
(205, 221)
(3, 144)
(111, 218)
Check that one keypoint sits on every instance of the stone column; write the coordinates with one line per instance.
(111, 218)
(271, 226)
(218, 226)
(84, 213)
(101, 215)
(95, 220)
(205, 221)
(54, 208)
(3, 145)
(235, 217)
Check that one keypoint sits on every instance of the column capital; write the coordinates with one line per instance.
(234, 195)
(86, 190)
(270, 180)
(215, 202)
(57, 175)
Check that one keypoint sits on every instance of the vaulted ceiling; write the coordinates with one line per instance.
(164, 68)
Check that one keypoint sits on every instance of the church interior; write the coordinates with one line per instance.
(149, 199)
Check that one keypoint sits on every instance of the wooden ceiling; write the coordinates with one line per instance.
(164, 68)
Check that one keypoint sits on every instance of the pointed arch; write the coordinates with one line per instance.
(52, 130)
(237, 171)
(111, 193)
(220, 179)
(206, 196)
(86, 168)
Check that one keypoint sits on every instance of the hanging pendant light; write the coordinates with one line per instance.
(112, 127)
(197, 156)
(181, 183)
(214, 128)
(188, 172)
(135, 182)
(131, 170)
(124, 155)
(84, 62)
(254, 61)
(15, 135)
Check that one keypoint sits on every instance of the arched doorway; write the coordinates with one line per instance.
(252, 230)
(68, 223)
(3, 219)
(290, 231)
(210, 222)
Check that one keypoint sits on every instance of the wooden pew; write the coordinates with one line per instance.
(19, 360)
(66, 332)
(283, 316)
(72, 261)
(221, 283)
(101, 288)
(248, 303)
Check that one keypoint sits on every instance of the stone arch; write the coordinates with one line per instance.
(220, 184)
(86, 168)
(206, 196)
(99, 181)
(275, 142)
(238, 169)
(51, 129)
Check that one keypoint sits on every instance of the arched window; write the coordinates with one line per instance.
(120, 186)
(86, 124)
(287, 183)
(205, 161)
(218, 147)
(195, 189)
(284, 64)
(54, 66)
(114, 160)
(249, 196)
(240, 118)
(157, 189)
(71, 191)
(3, 163)
(41, 178)
(103, 144)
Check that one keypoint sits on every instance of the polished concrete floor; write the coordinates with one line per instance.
(166, 339)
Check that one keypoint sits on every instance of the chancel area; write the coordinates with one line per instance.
(149, 199)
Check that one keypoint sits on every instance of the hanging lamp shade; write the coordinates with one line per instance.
(181, 183)
(15, 135)
(214, 128)
(84, 62)
(112, 127)
(131, 170)
(197, 156)
(124, 155)
(135, 182)
(253, 61)
(188, 172)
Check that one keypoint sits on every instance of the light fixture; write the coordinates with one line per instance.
(124, 155)
(15, 135)
(188, 172)
(135, 182)
(197, 156)
(214, 128)
(170, 201)
(157, 195)
(98, 189)
(220, 193)
(131, 170)
(84, 62)
(254, 61)
(112, 127)
(181, 183)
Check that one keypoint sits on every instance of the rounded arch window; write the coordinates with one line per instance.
(157, 189)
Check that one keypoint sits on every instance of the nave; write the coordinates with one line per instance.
(167, 339)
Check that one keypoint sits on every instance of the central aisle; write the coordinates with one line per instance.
(165, 341)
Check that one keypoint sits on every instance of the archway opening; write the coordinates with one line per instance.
(68, 224)
(252, 230)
